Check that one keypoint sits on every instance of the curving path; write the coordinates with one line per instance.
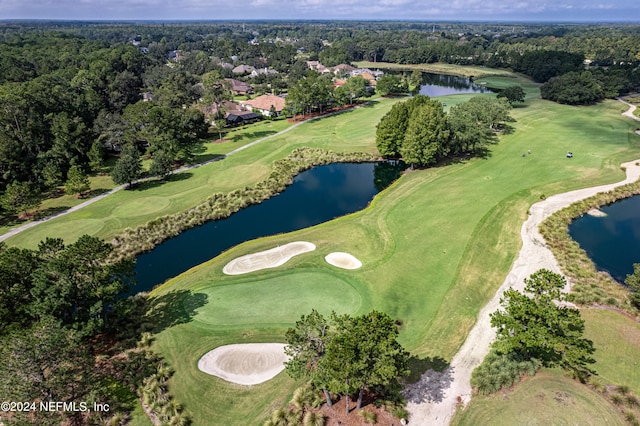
(533, 256)
(26, 226)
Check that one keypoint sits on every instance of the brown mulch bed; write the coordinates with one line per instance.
(336, 415)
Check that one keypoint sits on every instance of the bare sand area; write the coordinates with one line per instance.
(434, 398)
(271, 258)
(245, 364)
(343, 260)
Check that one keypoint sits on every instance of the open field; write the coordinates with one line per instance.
(548, 398)
(434, 248)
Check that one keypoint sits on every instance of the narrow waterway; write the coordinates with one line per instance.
(317, 195)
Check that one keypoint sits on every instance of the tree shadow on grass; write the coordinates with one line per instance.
(156, 182)
(171, 309)
(252, 136)
(428, 380)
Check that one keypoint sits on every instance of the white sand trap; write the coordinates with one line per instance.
(244, 364)
(343, 260)
(271, 258)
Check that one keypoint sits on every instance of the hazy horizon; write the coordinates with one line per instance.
(568, 11)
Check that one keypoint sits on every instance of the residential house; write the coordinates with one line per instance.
(263, 104)
(237, 118)
(343, 69)
(261, 71)
(239, 87)
(243, 69)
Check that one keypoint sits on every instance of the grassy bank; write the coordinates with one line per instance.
(345, 132)
(548, 398)
(437, 68)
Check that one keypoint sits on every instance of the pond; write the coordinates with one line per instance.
(441, 84)
(315, 196)
(612, 241)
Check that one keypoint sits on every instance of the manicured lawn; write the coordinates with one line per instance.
(548, 398)
(435, 246)
(349, 131)
(617, 342)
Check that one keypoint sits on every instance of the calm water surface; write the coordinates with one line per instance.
(441, 84)
(612, 242)
(317, 195)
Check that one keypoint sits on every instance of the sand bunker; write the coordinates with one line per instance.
(343, 260)
(596, 213)
(271, 258)
(244, 364)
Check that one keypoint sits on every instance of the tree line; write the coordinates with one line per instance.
(421, 133)
(68, 334)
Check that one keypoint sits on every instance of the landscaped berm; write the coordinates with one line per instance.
(244, 364)
(271, 258)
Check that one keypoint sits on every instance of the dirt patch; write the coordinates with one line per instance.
(337, 416)
(244, 364)
(271, 258)
(343, 260)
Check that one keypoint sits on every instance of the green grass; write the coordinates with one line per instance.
(349, 131)
(435, 245)
(548, 398)
(273, 298)
(617, 342)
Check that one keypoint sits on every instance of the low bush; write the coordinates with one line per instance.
(499, 371)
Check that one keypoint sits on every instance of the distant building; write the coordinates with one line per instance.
(263, 71)
(239, 87)
(243, 69)
(263, 104)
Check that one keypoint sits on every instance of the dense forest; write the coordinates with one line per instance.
(69, 91)
(74, 94)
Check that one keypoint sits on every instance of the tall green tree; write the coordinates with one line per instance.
(306, 345)
(128, 167)
(161, 165)
(77, 285)
(352, 89)
(427, 137)
(533, 326)
(391, 129)
(390, 84)
(20, 197)
(45, 362)
(77, 181)
(512, 94)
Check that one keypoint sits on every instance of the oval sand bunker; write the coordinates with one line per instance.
(271, 258)
(343, 260)
(245, 364)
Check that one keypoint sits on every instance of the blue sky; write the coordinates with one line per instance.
(427, 10)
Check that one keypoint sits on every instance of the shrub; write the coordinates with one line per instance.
(368, 417)
(313, 419)
(498, 371)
